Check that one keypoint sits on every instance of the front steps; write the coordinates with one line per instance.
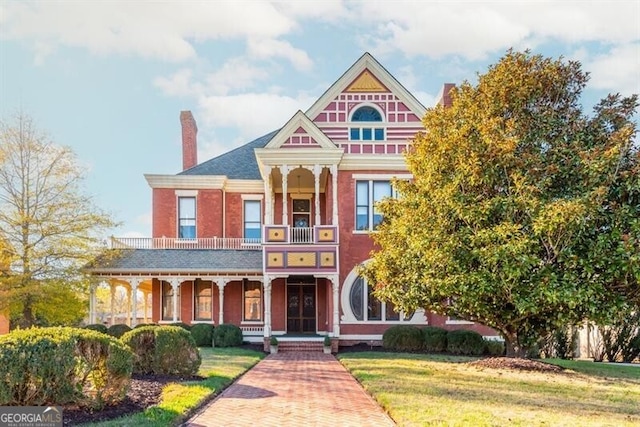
(286, 346)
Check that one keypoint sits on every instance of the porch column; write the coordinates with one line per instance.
(92, 303)
(285, 212)
(317, 170)
(334, 184)
(113, 302)
(175, 284)
(335, 284)
(268, 218)
(134, 307)
(128, 314)
(267, 306)
(221, 284)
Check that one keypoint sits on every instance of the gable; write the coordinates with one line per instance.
(368, 85)
(300, 132)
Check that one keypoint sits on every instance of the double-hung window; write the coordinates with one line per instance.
(368, 193)
(167, 301)
(202, 300)
(252, 219)
(187, 217)
(252, 305)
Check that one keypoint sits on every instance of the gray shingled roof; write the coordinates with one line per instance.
(239, 163)
(183, 260)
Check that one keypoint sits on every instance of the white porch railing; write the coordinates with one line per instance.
(174, 243)
(301, 235)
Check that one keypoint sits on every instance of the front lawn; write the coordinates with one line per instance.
(220, 366)
(419, 390)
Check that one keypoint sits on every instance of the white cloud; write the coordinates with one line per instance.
(163, 30)
(178, 84)
(236, 74)
(270, 48)
(617, 70)
(253, 114)
(475, 29)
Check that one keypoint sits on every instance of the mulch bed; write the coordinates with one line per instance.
(144, 391)
(516, 364)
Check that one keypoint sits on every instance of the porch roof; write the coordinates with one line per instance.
(181, 261)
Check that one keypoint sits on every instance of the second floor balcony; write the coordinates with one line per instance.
(273, 234)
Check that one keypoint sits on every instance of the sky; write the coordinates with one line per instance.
(109, 78)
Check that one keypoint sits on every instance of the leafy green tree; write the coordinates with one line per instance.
(513, 185)
(51, 229)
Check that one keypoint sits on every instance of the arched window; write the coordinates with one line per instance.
(167, 301)
(202, 300)
(365, 307)
(365, 116)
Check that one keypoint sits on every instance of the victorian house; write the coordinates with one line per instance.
(269, 236)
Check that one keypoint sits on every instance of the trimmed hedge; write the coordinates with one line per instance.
(140, 325)
(98, 327)
(465, 342)
(494, 348)
(181, 325)
(165, 350)
(62, 365)
(118, 330)
(434, 339)
(227, 335)
(402, 338)
(202, 334)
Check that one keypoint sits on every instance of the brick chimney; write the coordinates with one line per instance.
(445, 99)
(189, 140)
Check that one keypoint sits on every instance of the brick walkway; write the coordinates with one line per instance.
(294, 389)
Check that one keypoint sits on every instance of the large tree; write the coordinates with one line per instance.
(512, 186)
(49, 227)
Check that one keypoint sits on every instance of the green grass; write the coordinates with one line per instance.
(220, 366)
(423, 390)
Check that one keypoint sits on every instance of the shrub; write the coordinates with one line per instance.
(181, 325)
(141, 325)
(62, 365)
(202, 334)
(99, 327)
(327, 341)
(402, 338)
(465, 342)
(434, 339)
(167, 350)
(273, 341)
(118, 330)
(494, 348)
(227, 335)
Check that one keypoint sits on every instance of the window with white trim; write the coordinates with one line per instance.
(167, 301)
(252, 301)
(252, 219)
(362, 129)
(186, 217)
(202, 293)
(368, 193)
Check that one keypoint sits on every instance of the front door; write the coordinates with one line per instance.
(301, 309)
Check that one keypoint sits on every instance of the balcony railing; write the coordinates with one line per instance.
(301, 235)
(174, 243)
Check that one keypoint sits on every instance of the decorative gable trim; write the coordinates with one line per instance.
(354, 77)
(300, 124)
(366, 82)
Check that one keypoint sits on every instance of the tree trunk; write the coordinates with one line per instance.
(27, 319)
(513, 347)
